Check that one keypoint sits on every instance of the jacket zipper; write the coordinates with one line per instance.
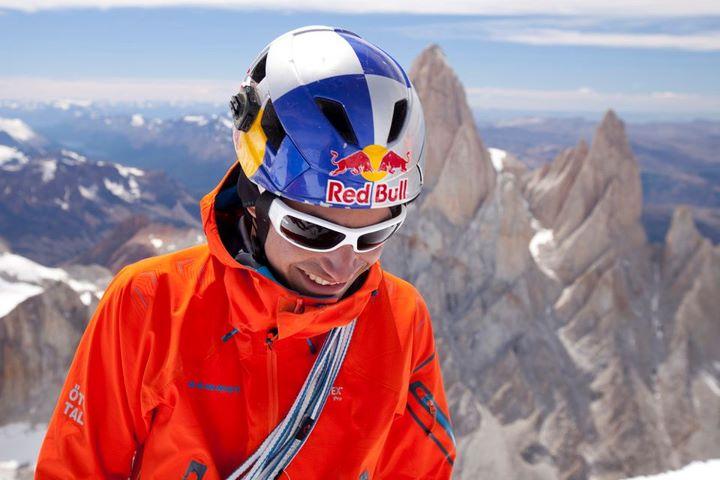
(272, 381)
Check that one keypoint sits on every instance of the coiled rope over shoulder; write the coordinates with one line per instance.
(283, 443)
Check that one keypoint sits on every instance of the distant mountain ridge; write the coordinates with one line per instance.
(194, 149)
(678, 162)
(54, 205)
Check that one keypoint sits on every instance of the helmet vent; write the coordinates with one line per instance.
(398, 120)
(270, 123)
(258, 73)
(337, 116)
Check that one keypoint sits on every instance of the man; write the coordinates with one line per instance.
(280, 349)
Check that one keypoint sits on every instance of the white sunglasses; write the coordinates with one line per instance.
(319, 235)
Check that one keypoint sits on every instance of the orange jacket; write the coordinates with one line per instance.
(179, 376)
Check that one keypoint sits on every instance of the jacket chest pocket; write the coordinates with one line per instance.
(359, 409)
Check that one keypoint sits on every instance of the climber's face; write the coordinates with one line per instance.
(330, 273)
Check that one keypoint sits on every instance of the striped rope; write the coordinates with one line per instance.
(280, 447)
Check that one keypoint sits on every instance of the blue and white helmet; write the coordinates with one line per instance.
(335, 122)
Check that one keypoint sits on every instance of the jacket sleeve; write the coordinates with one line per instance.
(97, 423)
(421, 443)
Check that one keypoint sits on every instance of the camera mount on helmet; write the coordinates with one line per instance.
(244, 106)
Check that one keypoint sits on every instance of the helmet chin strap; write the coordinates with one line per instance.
(255, 227)
(262, 226)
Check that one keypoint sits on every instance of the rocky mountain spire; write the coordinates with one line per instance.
(591, 200)
(547, 188)
(685, 254)
(457, 164)
(682, 241)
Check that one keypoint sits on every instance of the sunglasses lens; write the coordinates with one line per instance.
(309, 234)
(375, 239)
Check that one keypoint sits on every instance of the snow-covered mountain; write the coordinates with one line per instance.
(17, 141)
(21, 278)
(56, 205)
(194, 149)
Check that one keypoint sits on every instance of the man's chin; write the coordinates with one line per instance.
(304, 285)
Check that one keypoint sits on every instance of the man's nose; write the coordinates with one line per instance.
(341, 263)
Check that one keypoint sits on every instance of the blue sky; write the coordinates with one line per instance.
(514, 60)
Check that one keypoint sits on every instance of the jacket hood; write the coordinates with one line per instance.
(258, 303)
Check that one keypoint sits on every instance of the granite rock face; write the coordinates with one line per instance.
(590, 199)
(37, 343)
(457, 164)
(571, 347)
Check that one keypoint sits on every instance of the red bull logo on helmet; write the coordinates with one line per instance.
(373, 163)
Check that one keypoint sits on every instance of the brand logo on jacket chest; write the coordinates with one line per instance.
(213, 387)
(336, 393)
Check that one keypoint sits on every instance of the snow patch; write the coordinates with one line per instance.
(25, 270)
(228, 124)
(48, 167)
(497, 157)
(13, 294)
(709, 470)
(64, 202)
(711, 382)
(156, 242)
(196, 119)
(134, 187)
(19, 445)
(541, 241)
(119, 190)
(137, 120)
(73, 156)
(21, 278)
(17, 129)
(90, 192)
(127, 171)
(11, 159)
(86, 298)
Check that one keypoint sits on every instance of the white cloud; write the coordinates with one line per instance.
(587, 99)
(116, 89)
(698, 42)
(659, 33)
(482, 7)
